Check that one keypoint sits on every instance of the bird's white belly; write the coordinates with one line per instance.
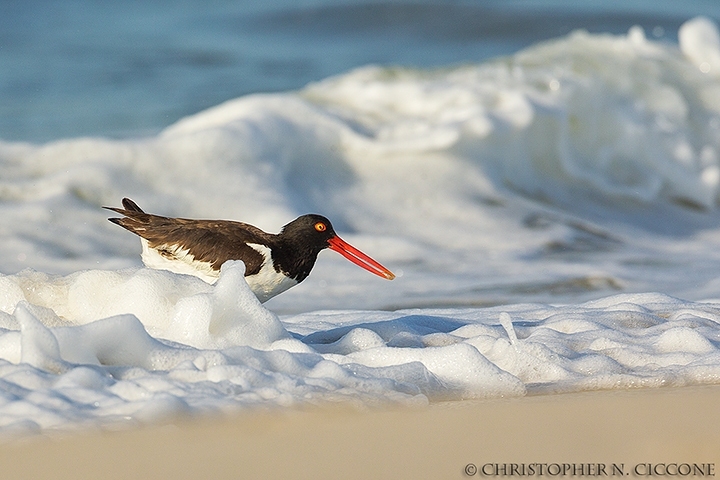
(268, 282)
(184, 263)
(265, 284)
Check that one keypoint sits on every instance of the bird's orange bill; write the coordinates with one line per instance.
(359, 258)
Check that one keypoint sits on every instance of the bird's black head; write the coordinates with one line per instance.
(299, 243)
(309, 232)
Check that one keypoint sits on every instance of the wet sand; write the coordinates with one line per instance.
(611, 433)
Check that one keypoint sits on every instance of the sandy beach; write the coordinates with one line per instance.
(606, 433)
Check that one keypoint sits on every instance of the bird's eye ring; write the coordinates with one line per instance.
(320, 227)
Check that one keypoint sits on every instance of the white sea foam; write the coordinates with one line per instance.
(560, 182)
(236, 354)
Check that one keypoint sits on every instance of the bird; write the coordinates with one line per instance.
(273, 262)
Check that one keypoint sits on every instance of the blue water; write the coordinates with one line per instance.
(126, 69)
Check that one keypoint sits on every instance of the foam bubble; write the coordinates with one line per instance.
(683, 339)
(700, 42)
(230, 315)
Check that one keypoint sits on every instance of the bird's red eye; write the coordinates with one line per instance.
(320, 227)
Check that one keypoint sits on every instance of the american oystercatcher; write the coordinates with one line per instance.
(273, 262)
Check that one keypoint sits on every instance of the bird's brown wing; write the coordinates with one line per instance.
(211, 241)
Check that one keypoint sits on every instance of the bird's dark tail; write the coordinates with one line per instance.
(130, 205)
(131, 211)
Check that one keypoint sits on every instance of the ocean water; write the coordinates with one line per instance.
(546, 192)
(81, 68)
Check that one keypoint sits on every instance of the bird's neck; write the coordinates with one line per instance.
(294, 260)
